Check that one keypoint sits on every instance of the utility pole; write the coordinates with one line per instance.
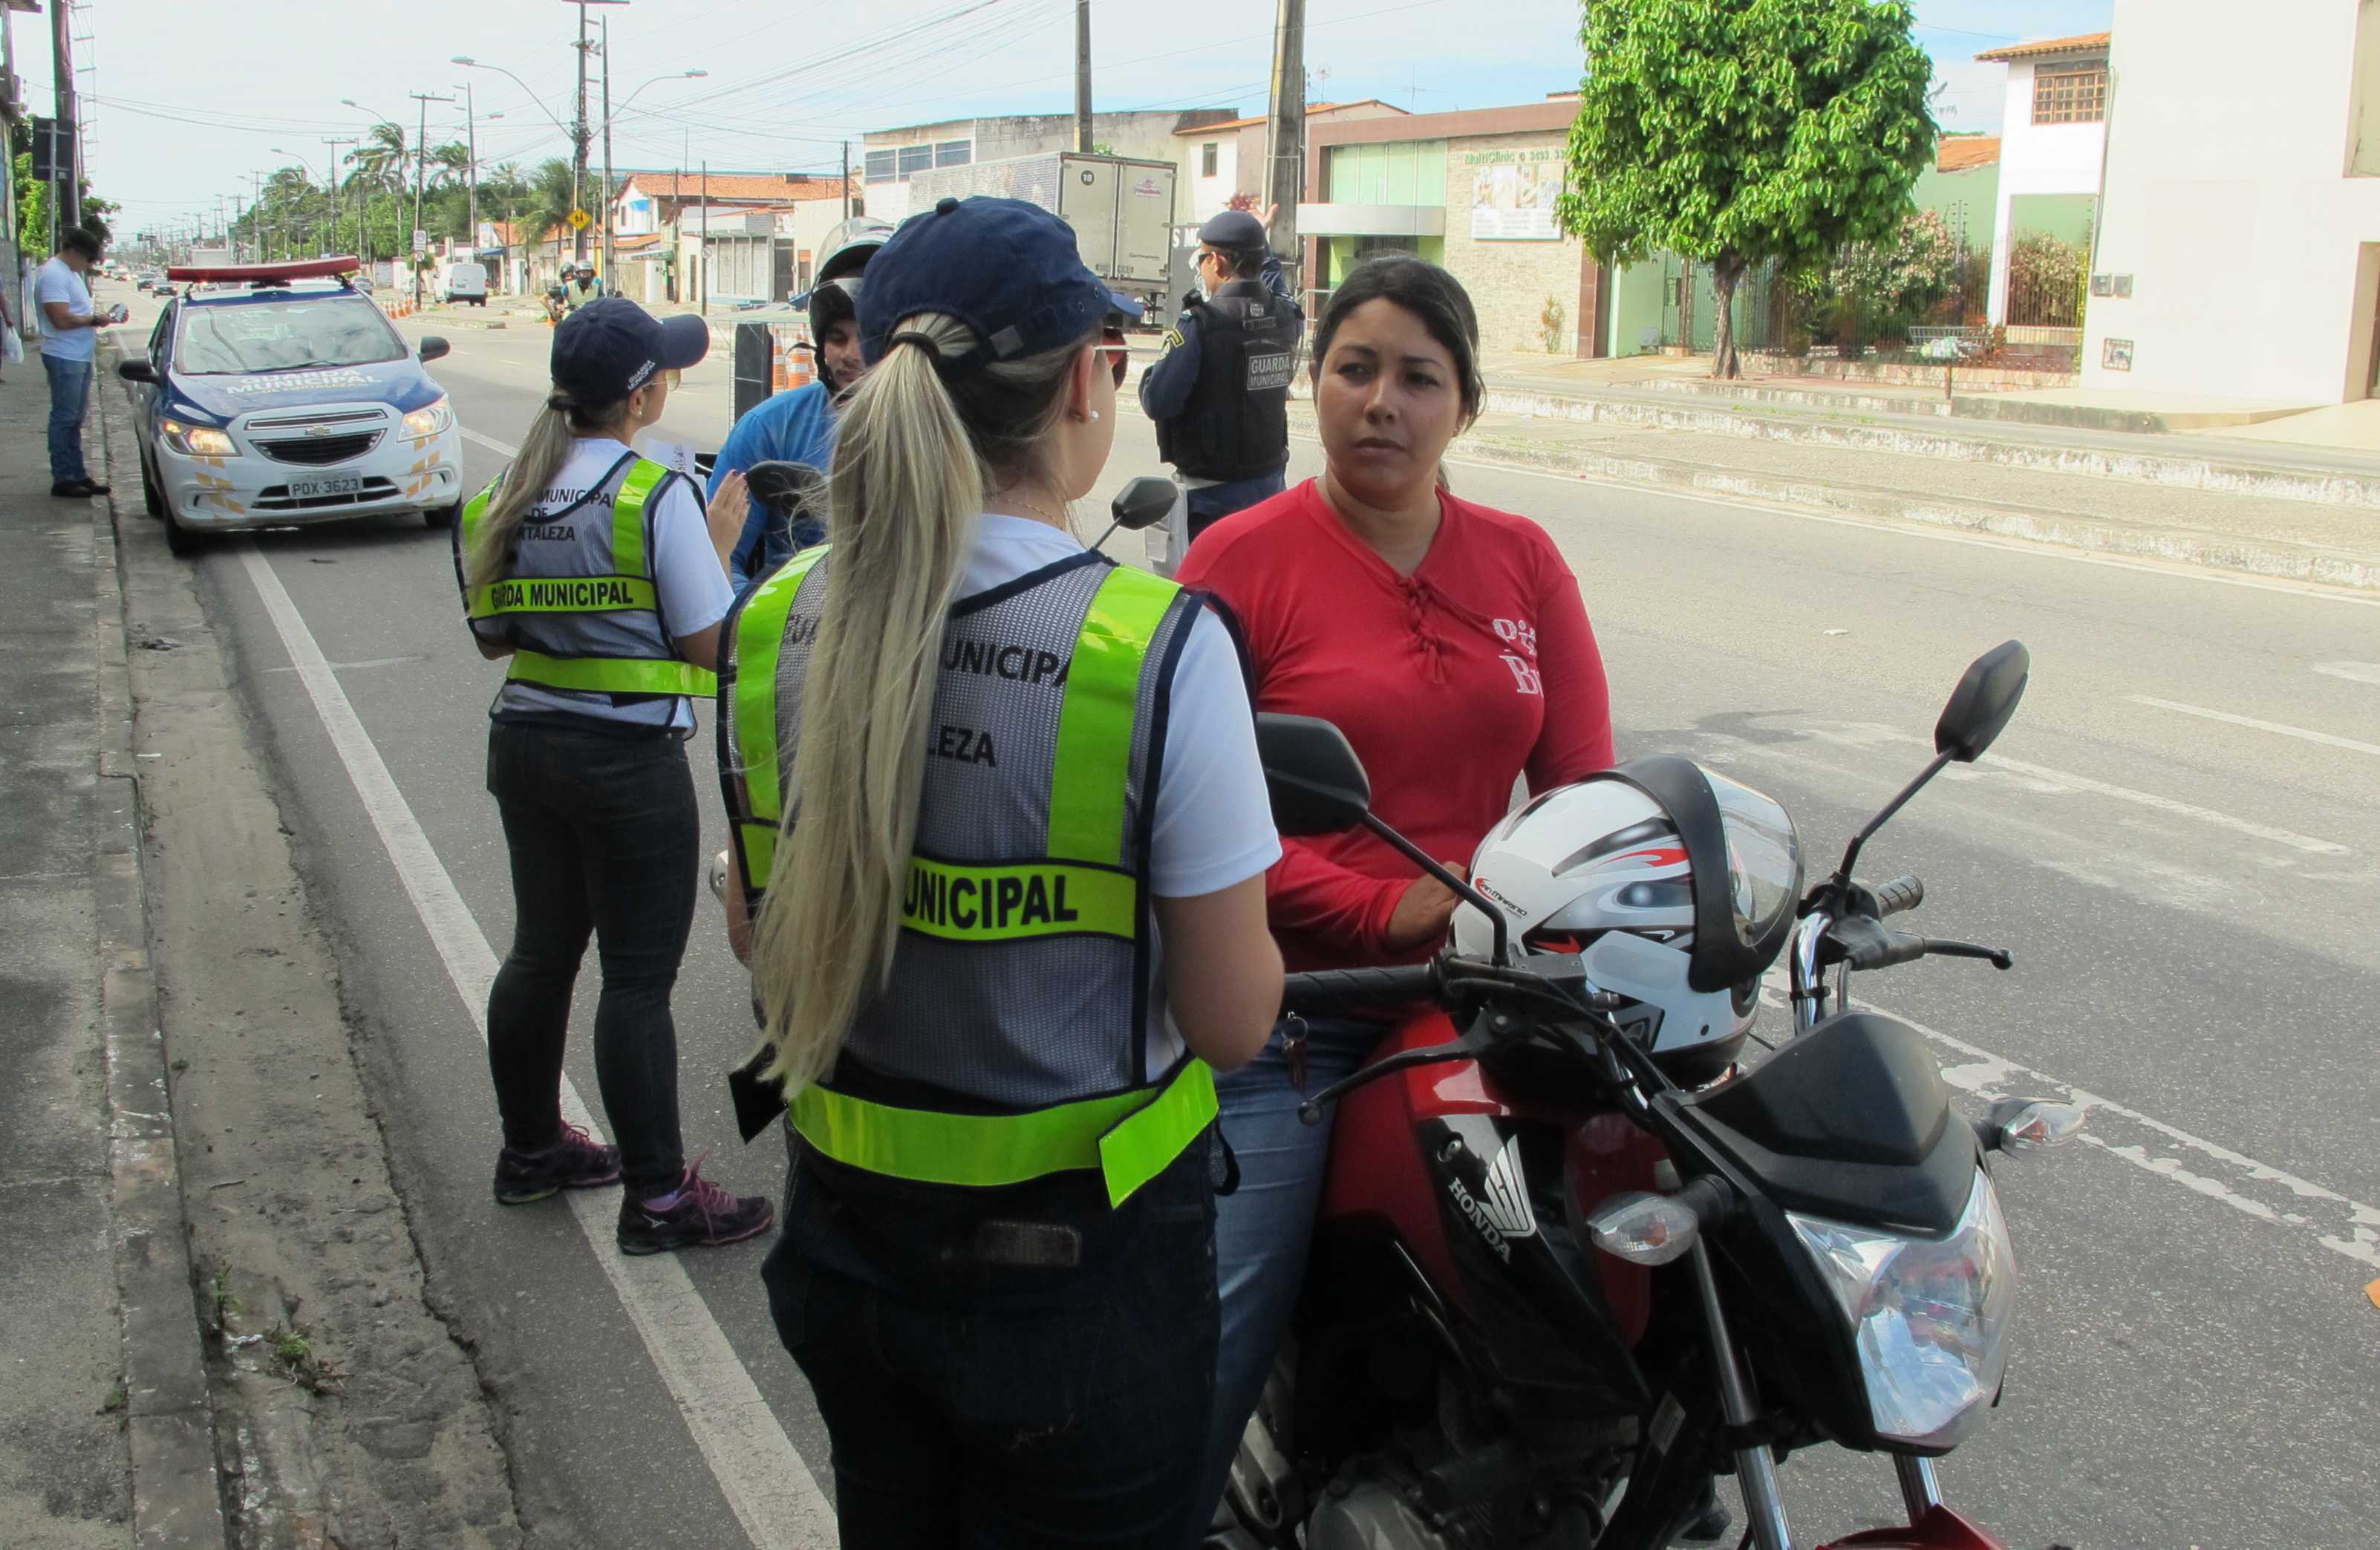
(1082, 75)
(14, 229)
(1285, 167)
(847, 179)
(65, 193)
(471, 147)
(420, 167)
(702, 252)
(581, 135)
(333, 146)
(607, 153)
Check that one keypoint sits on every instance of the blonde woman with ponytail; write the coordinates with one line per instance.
(599, 580)
(1000, 837)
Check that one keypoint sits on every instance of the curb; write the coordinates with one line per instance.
(176, 1488)
(2059, 530)
(1846, 398)
(2175, 471)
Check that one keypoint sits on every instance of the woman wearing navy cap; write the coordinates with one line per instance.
(602, 580)
(1000, 837)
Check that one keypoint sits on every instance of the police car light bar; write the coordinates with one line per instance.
(264, 274)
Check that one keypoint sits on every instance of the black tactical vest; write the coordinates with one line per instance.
(1236, 424)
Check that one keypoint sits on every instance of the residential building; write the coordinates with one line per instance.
(2053, 143)
(892, 154)
(2239, 251)
(1964, 187)
(738, 235)
(1221, 160)
(648, 201)
(1474, 191)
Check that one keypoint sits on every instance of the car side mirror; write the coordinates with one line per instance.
(137, 371)
(1317, 784)
(1980, 707)
(1144, 503)
(432, 347)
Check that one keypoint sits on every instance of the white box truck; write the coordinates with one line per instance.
(1121, 209)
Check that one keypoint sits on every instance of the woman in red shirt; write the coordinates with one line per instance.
(1448, 640)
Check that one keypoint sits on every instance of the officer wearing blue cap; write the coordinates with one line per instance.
(1000, 837)
(1220, 392)
(597, 577)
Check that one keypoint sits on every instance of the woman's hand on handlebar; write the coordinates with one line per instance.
(1422, 914)
(726, 515)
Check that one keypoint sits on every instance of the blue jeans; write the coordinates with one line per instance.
(603, 836)
(70, 401)
(1210, 503)
(1263, 1227)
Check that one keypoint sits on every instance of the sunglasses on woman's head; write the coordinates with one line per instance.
(1111, 342)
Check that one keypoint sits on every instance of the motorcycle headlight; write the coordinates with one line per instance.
(1930, 1316)
(428, 419)
(196, 441)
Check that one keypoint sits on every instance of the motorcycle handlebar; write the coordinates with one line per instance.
(1905, 891)
(1321, 990)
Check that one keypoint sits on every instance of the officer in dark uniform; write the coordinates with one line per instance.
(1220, 392)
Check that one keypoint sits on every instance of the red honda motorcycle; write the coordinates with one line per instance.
(1573, 1262)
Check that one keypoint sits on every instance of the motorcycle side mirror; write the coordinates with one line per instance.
(1144, 503)
(1317, 784)
(432, 347)
(781, 486)
(1987, 697)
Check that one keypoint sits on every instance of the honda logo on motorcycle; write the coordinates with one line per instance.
(1501, 1210)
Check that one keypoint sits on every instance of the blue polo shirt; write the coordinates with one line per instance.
(794, 426)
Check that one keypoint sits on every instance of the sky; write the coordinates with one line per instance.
(183, 99)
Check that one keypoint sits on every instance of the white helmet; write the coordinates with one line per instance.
(1676, 884)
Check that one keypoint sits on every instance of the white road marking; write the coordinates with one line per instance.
(763, 1477)
(2353, 672)
(2325, 739)
(2343, 1225)
(1861, 736)
(490, 442)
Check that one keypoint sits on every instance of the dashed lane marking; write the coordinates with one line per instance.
(2325, 739)
(2353, 672)
(758, 1471)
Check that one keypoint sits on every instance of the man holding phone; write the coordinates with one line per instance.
(70, 327)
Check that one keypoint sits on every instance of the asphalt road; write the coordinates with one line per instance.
(2175, 836)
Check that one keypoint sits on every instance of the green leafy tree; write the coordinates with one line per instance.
(1732, 131)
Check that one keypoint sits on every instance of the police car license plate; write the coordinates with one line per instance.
(334, 484)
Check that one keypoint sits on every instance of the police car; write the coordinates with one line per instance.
(277, 393)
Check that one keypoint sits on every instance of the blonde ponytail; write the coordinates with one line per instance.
(558, 424)
(915, 455)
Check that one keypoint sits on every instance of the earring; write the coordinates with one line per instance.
(1095, 414)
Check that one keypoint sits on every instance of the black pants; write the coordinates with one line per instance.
(604, 839)
(1077, 1420)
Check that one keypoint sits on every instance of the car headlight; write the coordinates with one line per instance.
(1930, 1316)
(196, 441)
(428, 419)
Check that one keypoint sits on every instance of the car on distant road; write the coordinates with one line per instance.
(275, 395)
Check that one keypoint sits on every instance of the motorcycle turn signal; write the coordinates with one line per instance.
(2027, 1125)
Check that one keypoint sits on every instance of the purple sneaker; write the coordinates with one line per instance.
(575, 1162)
(697, 1214)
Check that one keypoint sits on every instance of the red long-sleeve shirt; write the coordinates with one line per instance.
(1477, 668)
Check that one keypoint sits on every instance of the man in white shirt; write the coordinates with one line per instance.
(69, 338)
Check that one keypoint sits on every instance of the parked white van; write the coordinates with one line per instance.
(464, 280)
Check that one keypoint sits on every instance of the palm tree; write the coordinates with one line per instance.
(382, 158)
(450, 165)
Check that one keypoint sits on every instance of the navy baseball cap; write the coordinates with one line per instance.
(1233, 228)
(612, 347)
(1009, 270)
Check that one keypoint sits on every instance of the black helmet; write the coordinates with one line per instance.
(835, 294)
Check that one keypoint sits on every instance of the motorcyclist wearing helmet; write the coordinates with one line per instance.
(581, 288)
(798, 425)
(1449, 643)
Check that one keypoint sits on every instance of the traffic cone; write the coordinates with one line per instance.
(802, 369)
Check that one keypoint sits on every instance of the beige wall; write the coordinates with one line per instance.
(1510, 281)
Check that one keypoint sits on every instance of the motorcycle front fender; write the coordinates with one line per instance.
(1942, 1528)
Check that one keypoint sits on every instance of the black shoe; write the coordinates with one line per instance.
(93, 487)
(72, 489)
(697, 1214)
(575, 1162)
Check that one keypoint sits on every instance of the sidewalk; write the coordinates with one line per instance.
(105, 1406)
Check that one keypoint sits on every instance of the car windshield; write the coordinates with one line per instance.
(246, 337)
